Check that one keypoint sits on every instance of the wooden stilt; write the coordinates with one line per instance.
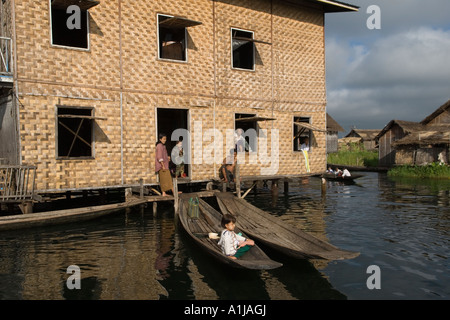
(26, 207)
(324, 186)
(238, 180)
(155, 207)
(286, 186)
(246, 192)
(274, 186)
(141, 188)
(175, 194)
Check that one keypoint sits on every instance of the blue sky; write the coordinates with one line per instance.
(401, 71)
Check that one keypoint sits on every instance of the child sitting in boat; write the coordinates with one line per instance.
(233, 245)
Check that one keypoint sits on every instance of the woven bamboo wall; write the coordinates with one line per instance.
(121, 73)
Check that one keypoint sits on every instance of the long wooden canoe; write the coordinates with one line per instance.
(274, 233)
(39, 219)
(208, 221)
(333, 177)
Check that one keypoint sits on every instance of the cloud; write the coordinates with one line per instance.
(403, 75)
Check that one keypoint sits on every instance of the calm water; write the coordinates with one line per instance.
(400, 226)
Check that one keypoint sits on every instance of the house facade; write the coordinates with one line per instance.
(366, 136)
(416, 143)
(95, 82)
(333, 129)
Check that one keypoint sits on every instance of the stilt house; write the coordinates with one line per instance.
(416, 143)
(87, 86)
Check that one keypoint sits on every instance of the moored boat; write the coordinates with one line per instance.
(335, 177)
(276, 234)
(208, 221)
(41, 219)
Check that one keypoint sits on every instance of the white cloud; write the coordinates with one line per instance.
(404, 75)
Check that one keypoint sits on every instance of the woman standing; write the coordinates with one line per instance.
(162, 165)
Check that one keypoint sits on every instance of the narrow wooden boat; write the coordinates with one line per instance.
(276, 234)
(208, 221)
(40, 219)
(333, 177)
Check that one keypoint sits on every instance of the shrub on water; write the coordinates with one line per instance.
(434, 170)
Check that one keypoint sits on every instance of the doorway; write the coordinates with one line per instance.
(175, 124)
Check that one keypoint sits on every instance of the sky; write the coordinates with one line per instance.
(400, 71)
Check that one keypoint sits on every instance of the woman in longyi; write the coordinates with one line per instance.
(162, 165)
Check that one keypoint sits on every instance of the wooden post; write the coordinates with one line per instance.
(155, 207)
(175, 194)
(255, 191)
(324, 186)
(274, 186)
(141, 188)
(26, 207)
(286, 186)
(238, 180)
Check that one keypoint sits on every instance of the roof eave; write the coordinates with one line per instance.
(337, 6)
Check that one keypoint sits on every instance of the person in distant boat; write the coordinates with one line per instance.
(346, 173)
(162, 165)
(233, 245)
(330, 170)
(338, 172)
(226, 171)
(305, 145)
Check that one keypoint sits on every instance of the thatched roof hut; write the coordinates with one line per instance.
(367, 137)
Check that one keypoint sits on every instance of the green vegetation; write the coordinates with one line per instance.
(434, 170)
(354, 155)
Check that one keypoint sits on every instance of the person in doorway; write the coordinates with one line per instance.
(162, 165)
(239, 140)
(178, 159)
(233, 245)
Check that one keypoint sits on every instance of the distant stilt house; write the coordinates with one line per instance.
(93, 86)
(367, 137)
(392, 132)
(333, 129)
(416, 143)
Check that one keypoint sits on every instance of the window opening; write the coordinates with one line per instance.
(302, 134)
(172, 37)
(243, 49)
(75, 132)
(62, 35)
(246, 132)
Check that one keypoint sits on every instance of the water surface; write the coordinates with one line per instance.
(401, 226)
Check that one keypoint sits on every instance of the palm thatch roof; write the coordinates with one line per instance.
(406, 126)
(332, 125)
(365, 134)
(422, 138)
(444, 108)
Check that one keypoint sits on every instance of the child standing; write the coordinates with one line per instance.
(178, 159)
(233, 245)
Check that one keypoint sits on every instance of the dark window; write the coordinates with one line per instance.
(76, 37)
(301, 133)
(243, 49)
(172, 39)
(75, 132)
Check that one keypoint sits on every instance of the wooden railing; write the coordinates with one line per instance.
(17, 183)
(6, 56)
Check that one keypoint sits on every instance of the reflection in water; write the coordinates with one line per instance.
(402, 226)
